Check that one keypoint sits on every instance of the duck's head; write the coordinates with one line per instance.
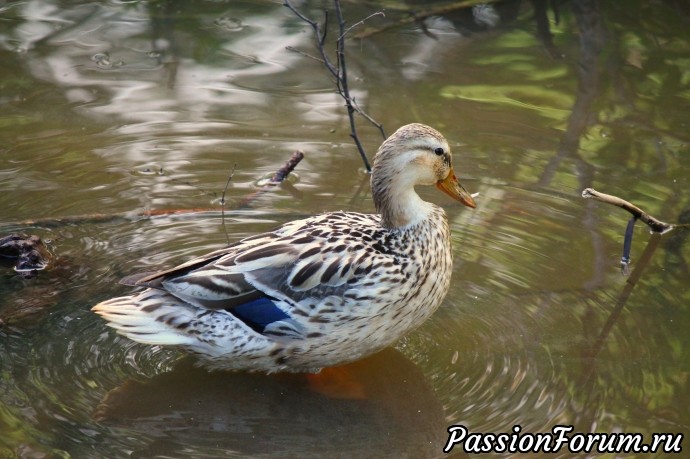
(414, 155)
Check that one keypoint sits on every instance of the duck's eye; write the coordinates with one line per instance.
(439, 151)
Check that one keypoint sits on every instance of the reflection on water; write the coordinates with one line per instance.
(115, 108)
(385, 401)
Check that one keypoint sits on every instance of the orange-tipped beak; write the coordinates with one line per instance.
(452, 188)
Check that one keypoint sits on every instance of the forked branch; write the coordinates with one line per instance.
(339, 69)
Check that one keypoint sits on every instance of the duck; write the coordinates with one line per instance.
(316, 292)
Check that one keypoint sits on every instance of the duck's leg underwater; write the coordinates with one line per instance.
(340, 382)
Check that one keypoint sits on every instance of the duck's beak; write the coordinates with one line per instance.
(452, 188)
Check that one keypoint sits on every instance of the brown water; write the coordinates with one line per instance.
(116, 107)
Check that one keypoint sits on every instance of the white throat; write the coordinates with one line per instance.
(398, 203)
(407, 209)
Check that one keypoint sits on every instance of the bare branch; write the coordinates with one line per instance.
(366, 116)
(655, 225)
(298, 51)
(318, 35)
(322, 40)
(343, 84)
(227, 184)
(339, 70)
(356, 24)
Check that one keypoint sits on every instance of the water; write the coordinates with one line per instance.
(113, 109)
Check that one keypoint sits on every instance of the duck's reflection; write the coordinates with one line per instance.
(378, 407)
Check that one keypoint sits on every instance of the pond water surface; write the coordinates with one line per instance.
(110, 109)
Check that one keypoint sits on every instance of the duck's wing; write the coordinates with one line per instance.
(266, 280)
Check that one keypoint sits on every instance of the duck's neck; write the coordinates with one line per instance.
(398, 203)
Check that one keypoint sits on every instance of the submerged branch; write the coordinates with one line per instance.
(278, 177)
(289, 166)
(418, 16)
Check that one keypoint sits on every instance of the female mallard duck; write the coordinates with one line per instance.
(316, 292)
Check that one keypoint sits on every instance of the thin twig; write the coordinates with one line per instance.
(318, 35)
(371, 120)
(298, 51)
(339, 69)
(227, 184)
(322, 40)
(357, 24)
(655, 225)
(222, 202)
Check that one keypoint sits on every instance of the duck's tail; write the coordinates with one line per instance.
(150, 317)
